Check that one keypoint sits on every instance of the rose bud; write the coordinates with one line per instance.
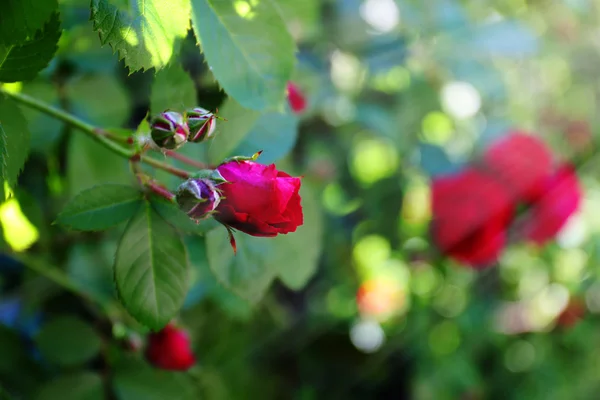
(202, 124)
(198, 198)
(168, 130)
(471, 213)
(170, 349)
(521, 162)
(559, 196)
(296, 98)
(258, 199)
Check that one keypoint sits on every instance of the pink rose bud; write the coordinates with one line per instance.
(170, 349)
(258, 199)
(198, 198)
(168, 130)
(202, 124)
(296, 98)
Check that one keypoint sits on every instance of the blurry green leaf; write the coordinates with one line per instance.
(297, 254)
(246, 131)
(20, 62)
(90, 164)
(14, 141)
(99, 99)
(78, 386)
(145, 35)
(247, 273)
(21, 19)
(68, 341)
(100, 207)
(151, 269)
(303, 18)
(172, 89)
(45, 130)
(180, 220)
(247, 47)
(90, 269)
(434, 160)
(136, 380)
(18, 370)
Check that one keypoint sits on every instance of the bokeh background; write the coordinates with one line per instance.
(399, 92)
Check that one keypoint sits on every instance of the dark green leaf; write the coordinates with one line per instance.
(151, 269)
(180, 220)
(14, 141)
(68, 341)
(248, 273)
(78, 386)
(20, 62)
(136, 380)
(21, 19)
(172, 89)
(89, 267)
(248, 49)
(246, 131)
(145, 35)
(297, 254)
(14, 361)
(100, 207)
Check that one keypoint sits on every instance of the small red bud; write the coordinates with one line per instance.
(296, 98)
(170, 349)
(168, 130)
(198, 198)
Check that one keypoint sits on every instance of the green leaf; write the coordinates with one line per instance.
(246, 131)
(20, 62)
(180, 220)
(21, 19)
(14, 141)
(136, 380)
(297, 254)
(89, 268)
(100, 207)
(172, 89)
(248, 273)
(247, 47)
(145, 35)
(90, 163)
(77, 386)
(68, 341)
(151, 269)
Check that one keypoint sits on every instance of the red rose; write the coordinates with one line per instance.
(558, 197)
(258, 199)
(471, 212)
(170, 349)
(521, 162)
(296, 98)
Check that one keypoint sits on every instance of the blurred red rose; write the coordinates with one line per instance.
(471, 212)
(296, 98)
(170, 349)
(520, 161)
(258, 199)
(557, 198)
(572, 313)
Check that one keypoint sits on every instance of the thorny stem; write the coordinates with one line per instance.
(99, 135)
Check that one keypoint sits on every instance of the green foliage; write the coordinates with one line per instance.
(136, 380)
(100, 207)
(172, 89)
(22, 61)
(14, 141)
(68, 341)
(21, 19)
(151, 269)
(247, 131)
(76, 386)
(146, 35)
(247, 47)
(247, 273)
